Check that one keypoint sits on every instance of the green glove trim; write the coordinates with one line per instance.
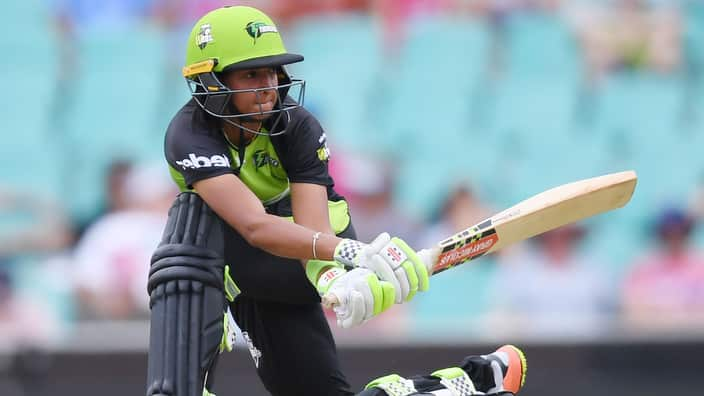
(383, 292)
(327, 278)
(412, 278)
(314, 268)
(387, 289)
(377, 292)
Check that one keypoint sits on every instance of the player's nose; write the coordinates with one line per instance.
(266, 95)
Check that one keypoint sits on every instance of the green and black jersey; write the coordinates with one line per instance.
(196, 149)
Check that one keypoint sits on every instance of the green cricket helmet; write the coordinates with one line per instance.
(236, 38)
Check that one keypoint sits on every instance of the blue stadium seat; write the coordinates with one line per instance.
(342, 61)
(28, 155)
(436, 78)
(541, 46)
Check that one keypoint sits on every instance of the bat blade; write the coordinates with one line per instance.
(540, 213)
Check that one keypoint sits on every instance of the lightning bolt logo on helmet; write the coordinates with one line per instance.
(256, 29)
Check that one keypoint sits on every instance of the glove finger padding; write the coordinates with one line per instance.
(388, 292)
(378, 243)
(382, 268)
(384, 294)
(379, 295)
(360, 293)
(351, 313)
(419, 266)
(368, 290)
(407, 274)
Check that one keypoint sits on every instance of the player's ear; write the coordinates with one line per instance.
(284, 79)
(282, 74)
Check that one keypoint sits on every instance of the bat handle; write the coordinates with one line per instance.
(330, 301)
(429, 257)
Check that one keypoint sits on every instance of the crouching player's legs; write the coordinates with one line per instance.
(292, 348)
(189, 287)
(500, 373)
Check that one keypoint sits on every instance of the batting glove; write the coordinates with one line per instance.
(359, 293)
(391, 259)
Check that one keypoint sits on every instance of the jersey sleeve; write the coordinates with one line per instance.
(308, 154)
(196, 156)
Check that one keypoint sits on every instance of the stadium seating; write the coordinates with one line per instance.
(437, 108)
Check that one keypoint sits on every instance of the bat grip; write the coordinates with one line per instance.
(429, 257)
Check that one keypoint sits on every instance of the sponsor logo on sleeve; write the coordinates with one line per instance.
(323, 153)
(194, 162)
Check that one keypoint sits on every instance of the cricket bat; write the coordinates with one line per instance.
(540, 213)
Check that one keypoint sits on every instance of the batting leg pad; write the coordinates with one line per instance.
(187, 292)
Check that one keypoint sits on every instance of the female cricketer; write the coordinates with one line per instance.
(258, 233)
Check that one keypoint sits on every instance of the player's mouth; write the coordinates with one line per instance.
(263, 107)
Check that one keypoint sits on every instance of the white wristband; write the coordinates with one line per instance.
(316, 236)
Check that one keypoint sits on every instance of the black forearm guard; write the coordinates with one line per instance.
(187, 299)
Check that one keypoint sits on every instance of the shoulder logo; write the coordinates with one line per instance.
(204, 36)
(323, 153)
(256, 29)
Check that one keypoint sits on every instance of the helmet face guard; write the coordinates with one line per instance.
(215, 98)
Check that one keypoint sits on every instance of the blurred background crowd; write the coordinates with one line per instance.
(438, 112)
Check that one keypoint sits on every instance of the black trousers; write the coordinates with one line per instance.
(292, 347)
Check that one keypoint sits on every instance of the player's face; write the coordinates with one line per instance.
(258, 101)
